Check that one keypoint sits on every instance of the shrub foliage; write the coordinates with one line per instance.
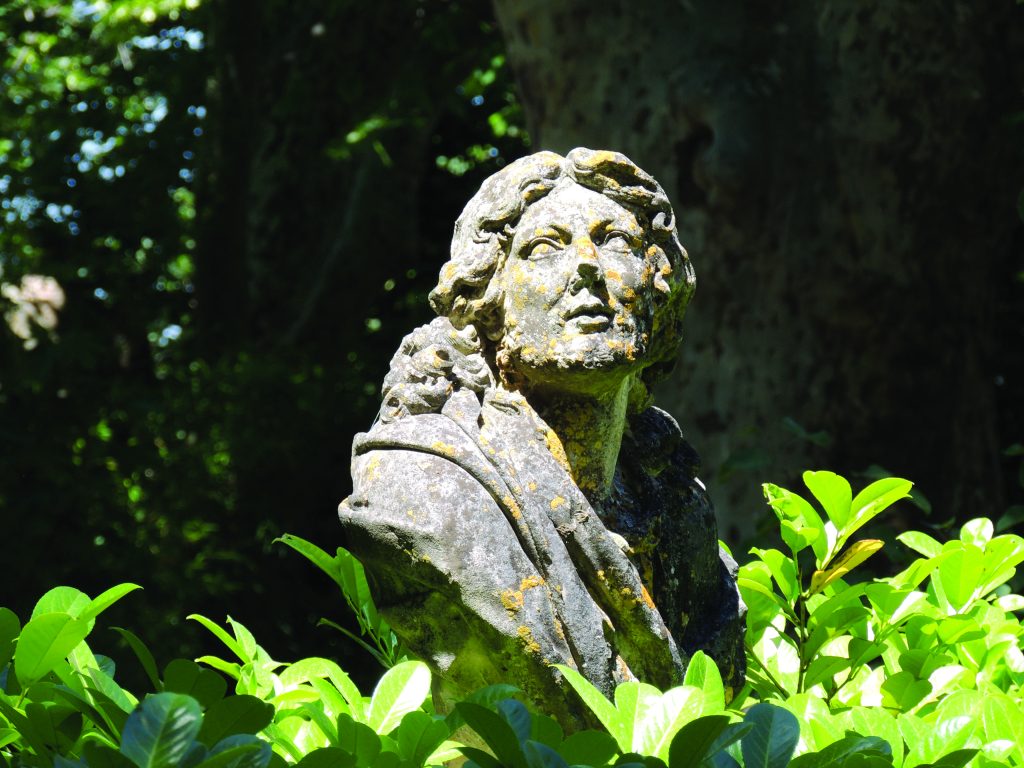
(923, 668)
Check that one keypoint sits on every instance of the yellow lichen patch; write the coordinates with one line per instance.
(530, 582)
(371, 468)
(629, 293)
(560, 632)
(666, 269)
(614, 343)
(443, 447)
(613, 274)
(557, 502)
(425, 558)
(526, 636)
(531, 486)
(529, 350)
(646, 597)
(600, 575)
(509, 502)
(557, 450)
(626, 591)
(512, 600)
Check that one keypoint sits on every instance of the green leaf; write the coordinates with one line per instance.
(418, 736)
(1003, 719)
(233, 645)
(61, 600)
(978, 531)
(662, 718)
(956, 759)
(542, 756)
(44, 642)
(702, 672)
(314, 668)
(344, 569)
(250, 650)
(143, 654)
(105, 684)
(824, 668)
(517, 716)
(546, 730)
(105, 600)
(317, 714)
(773, 738)
(893, 605)
(603, 709)
(327, 757)
(902, 691)
(838, 754)
(496, 733)
(960, 574)
(229, 668)
(854, 555)
(162, 730)
(241, 714)
(10, 628)
(873, 500)
(921, 543)
(692, 744)
(634, 702)
(783, 570)
(359, 739)
(795, 515)
(238, 751)
(480, 758)
(402, 689)
(101, 756)
(205, 685)
(833, 493)
(588, 748)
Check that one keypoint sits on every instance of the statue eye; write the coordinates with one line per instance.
(541, 247)
(618, 240)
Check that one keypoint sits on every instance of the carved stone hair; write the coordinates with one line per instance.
(448, 353)
(465, 291)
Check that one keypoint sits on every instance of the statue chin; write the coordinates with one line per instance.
(487, 558)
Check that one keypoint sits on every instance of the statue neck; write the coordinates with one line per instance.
(589, 428)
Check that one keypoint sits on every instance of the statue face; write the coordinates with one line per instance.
(577, 288)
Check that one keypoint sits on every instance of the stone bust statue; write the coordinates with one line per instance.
(519, 503)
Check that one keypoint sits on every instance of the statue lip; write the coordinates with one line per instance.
(593, 309)
(590, 316)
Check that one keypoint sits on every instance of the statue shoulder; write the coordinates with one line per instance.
(655, 442)
(427, 460)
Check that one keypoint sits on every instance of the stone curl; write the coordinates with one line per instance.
(429, 365)
(466, 292)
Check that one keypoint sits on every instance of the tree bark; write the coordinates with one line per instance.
(839, 173)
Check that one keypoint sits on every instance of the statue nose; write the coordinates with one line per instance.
(588, 268)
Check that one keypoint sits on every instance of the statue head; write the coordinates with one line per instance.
(569, 265)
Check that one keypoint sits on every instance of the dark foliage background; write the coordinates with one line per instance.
(242, 207)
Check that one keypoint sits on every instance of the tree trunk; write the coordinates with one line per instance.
(839, 173)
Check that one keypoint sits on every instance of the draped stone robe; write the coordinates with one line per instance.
(492, 566)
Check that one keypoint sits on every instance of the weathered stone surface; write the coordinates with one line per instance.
(519, 503)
